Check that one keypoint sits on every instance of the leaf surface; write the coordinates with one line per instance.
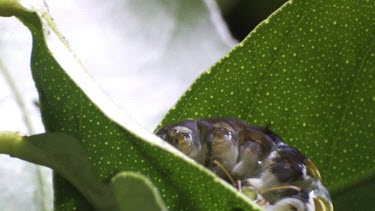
(308, 71)
(136, 192)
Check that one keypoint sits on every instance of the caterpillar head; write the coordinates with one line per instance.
(183, 135)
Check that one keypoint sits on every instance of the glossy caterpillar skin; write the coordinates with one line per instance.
(270, 172)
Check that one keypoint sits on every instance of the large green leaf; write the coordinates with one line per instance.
(309, 72)
(99, 125)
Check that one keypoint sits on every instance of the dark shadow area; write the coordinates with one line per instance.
(242, 16)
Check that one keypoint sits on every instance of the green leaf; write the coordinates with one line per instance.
(309, 72)
(99, 125)
(136, 192)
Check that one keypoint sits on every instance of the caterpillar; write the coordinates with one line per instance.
(253, 159)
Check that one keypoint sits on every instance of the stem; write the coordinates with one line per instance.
(8, 140)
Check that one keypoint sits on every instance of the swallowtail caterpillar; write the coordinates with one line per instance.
(255, 160)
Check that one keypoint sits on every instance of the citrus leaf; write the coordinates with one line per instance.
(308, 71)
(136, 192)
(99, 125)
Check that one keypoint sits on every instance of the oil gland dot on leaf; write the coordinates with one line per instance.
(253, 159)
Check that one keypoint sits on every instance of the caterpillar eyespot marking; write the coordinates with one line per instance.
(254, 160)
